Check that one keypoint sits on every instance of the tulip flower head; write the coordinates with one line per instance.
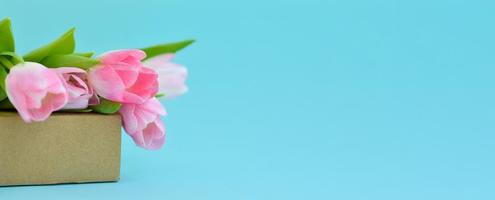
(142, 122)
(35, 91)
(171, 76)
(122, 78)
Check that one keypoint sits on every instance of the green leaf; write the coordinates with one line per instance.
(106, 106)
(69, 60)
(166, 48)
(85, 54)
(3, 75)
(10, 59)
(5, 63)
(14, 58)
(159, 95)
(65, 44)
(2, 95)
(6, 37)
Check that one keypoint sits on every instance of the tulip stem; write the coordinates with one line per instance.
(5, 62)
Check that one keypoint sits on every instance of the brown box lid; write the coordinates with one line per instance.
(66, 148)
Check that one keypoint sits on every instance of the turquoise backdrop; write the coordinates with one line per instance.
(298, 99)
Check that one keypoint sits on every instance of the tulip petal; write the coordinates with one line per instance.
(76, 83)
(107, 83)
(153, 105)
(145, 87)
(171, 76)
(130, 56)
(154, 135)
(129, 118)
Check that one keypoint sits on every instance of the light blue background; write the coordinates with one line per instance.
(308, 99)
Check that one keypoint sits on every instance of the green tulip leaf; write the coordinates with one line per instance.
(6, 37)
(13, 57)
(69, 60)
(2, 95)
(106, 106)
(5, 63)
(65, 44)
(3, 76)
(85, 54)
(166, 48)
(9, 59)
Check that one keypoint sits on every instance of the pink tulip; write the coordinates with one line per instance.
(121, 77)
(142, 122)
(76, 82)
(35, 91)
(171, 76)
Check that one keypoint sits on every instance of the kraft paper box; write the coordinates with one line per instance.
(66, 148)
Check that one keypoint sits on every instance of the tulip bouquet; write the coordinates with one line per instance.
(56, 78)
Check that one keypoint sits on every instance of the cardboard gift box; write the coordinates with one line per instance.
(66, 148)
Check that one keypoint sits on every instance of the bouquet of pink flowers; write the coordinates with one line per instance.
(54, 77)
